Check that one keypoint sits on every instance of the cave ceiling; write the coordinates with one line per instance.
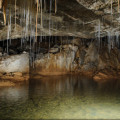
(79, 18)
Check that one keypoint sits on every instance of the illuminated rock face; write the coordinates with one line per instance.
(15, 67)
(57, 63)
(75, 57)
(16, 63)
(88, 60)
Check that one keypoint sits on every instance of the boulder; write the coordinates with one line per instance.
(15, 63)
(15, 67)
(59, 63)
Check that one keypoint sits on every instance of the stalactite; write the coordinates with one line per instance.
(99, 31)
(44, 5)
(118, 5)
(8, 35)
(111, 7)
(41, 15)
(55, 6)
(4, 10)
(15, 14)
(10, 25)
(39, 5)
(36, 20)
(50, 17)
(1, 3)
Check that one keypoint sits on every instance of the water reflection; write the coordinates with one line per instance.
(13, 94)
(59, 84)
(61, 97)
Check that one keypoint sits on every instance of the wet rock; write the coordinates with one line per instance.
(24, 52)
(6, 84)
(17, 74)
(106, 74)
(12, 52)
(70, 47)
(54, 50)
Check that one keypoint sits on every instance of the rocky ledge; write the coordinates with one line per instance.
(87, 58)
(76, 57)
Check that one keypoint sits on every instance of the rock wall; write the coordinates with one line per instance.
(76, 57)
(54, 63)
(92, 59)
(14, 67)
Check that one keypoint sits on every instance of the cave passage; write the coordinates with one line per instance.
(59, 59)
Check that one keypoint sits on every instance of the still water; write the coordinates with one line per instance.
(61, 97)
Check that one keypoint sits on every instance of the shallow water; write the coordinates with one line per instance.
(61, 97)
